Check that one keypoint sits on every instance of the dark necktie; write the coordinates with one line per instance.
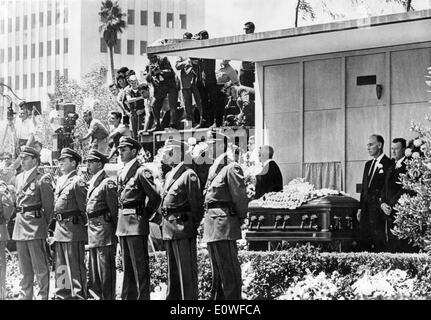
(370, 173)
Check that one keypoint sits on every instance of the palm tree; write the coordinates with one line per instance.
(306, 9)
(111, 23)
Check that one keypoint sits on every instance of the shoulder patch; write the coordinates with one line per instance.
(111, 184)
(46, 180)
(81, 183)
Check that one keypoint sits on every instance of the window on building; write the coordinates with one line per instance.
(57, 46)
(24, 52)
(48, 78)
(1, 80)
(143, 47)
(57, 75)
(9, 81)
(48, 48)
(9, 25)
(40, 79)
(16, 82)
(49, 18)
(103, 46)
(170, 20)
(40, 49)
(24, 81)
(57, 16)
(41, 19)
(16, 53)
(130, 16)
(144, 18)
(66, 74)
(117, 47)
(156, 18)
(9, 54)
(66, 45)
(33, 20)
(33, 50)
(2, 26)
(183, 19)
(25, 22)
(130, 47)
(17, 24)
(66, 15)
(1, 55)
(33, 80)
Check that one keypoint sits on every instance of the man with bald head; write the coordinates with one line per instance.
(371, 217)
(97, 133)
(270, 178)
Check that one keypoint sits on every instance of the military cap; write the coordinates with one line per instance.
(129, 142)
(96, 155)
(214, 136)
(175, 143)
(122, 70)
(249, 25)
(29, 151)
(187, 35)
(70, 153)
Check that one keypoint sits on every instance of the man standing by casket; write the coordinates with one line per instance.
(225, 206)
(269, 179)
(371, 217)
(392, 191)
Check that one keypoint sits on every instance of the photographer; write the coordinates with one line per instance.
(25, 127)
(161, 75)
(97, 133)
(136, 94)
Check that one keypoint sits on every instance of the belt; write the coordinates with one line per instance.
(130, 205)
(97, 213)
(66, 215)
(218, 204)
(170, 211)
(35, 207)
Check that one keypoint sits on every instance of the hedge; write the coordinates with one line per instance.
(269, 275)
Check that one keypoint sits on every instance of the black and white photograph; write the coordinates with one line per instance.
(237, 151)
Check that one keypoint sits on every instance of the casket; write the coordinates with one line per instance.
(330, 219)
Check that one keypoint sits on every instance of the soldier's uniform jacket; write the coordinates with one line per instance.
(182, 204)
(6, 210)
(134, 213)
(70, 199)
(34, 206)
(102, 198)
(225, 184)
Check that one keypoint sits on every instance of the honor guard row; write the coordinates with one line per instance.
(103, 211)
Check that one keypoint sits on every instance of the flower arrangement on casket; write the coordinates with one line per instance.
(294, 194)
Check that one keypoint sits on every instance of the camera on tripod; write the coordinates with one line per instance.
(63, 136)
(10, 112)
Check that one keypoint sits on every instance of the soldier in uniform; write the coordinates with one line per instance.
(134, 214)
(225, 210)
(70, 232)
(182, 210)
(102, 212)
(6, 211)
(34, 204)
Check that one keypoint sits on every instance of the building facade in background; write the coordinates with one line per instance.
(41, 40)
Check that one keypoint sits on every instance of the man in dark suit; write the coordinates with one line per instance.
(371, 218)
(270, 178)
(392, 191)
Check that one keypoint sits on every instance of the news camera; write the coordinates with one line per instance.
(64, 135)
(10, 112)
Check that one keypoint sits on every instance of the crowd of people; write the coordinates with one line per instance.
(192, 94)
(199, 185)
